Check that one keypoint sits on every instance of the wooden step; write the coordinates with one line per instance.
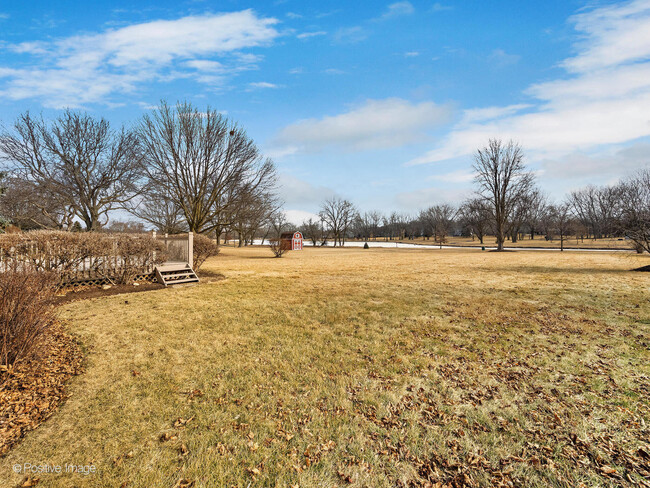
(189, 274)
(190, 280)
(173, 273)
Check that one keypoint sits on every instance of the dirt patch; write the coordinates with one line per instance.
(31, 392)
(95, 291)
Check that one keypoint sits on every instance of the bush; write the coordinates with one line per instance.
(136, 253)
(278, 247)
(72, 255)
(204, 248)
(26, 313)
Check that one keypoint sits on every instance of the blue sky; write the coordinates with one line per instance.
(379, 102)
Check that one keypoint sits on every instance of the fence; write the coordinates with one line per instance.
(179, 247)
(92, 258)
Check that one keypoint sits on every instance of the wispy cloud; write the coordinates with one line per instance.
(411, 54)
(376, 124)
(262, 84)
(307, 35)
(439, 7)
(603, 99)
(501, 58)
(350, 34)
(90, 68)
(398, 9)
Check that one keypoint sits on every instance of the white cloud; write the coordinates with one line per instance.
(307, 35)
(501, 58)
(613, 163)
(262, 84)
(397, 9)
(439, 7)
(614, 35)
(603, 100)
(458, 176)
(376, 124)
(350, 35)
(297, 217)
(411, 54)
(90, 68)
(295, 192)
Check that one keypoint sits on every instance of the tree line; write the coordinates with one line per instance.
(181, 169)
(507, 204)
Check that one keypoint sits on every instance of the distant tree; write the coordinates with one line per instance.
(312, 231)
(365, 225)
(634, 209)
(338, 214)
(502, 181)
(475, 215)
(160, 211)
(31, 207)
(252, 214)
(130, 227)
(596, 208)
(78, 160)
(536, 209)
(278, 225)
(562, 222)
(439, 219)
(203, 163)
(375, 218)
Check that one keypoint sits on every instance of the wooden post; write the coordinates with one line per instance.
(190, 249)
(153, 234)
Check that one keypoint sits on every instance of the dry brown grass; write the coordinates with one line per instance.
(380, 367)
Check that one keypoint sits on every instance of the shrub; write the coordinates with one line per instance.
(73, 255)
(278, 247)
(204, 248)
(136, 253)
(26, 313)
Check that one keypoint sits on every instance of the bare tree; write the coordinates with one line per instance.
(439, 219)
(129, 227)
(29, 207)
(278, 225)
(502, 181)
(154, 207)
(596, 208)
(312, 231)
(635, 209)
(338, 215)
(536, 209)
(251, 214)
(78, 160)
(204, 163)
(561, 221)
(475, 215)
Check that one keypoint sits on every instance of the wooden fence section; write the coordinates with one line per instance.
(93, 258)
(179, 247)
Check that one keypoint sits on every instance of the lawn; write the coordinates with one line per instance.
(352, 367)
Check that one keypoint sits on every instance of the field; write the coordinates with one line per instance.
(352, 367)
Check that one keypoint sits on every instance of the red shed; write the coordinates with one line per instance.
(292, 241)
